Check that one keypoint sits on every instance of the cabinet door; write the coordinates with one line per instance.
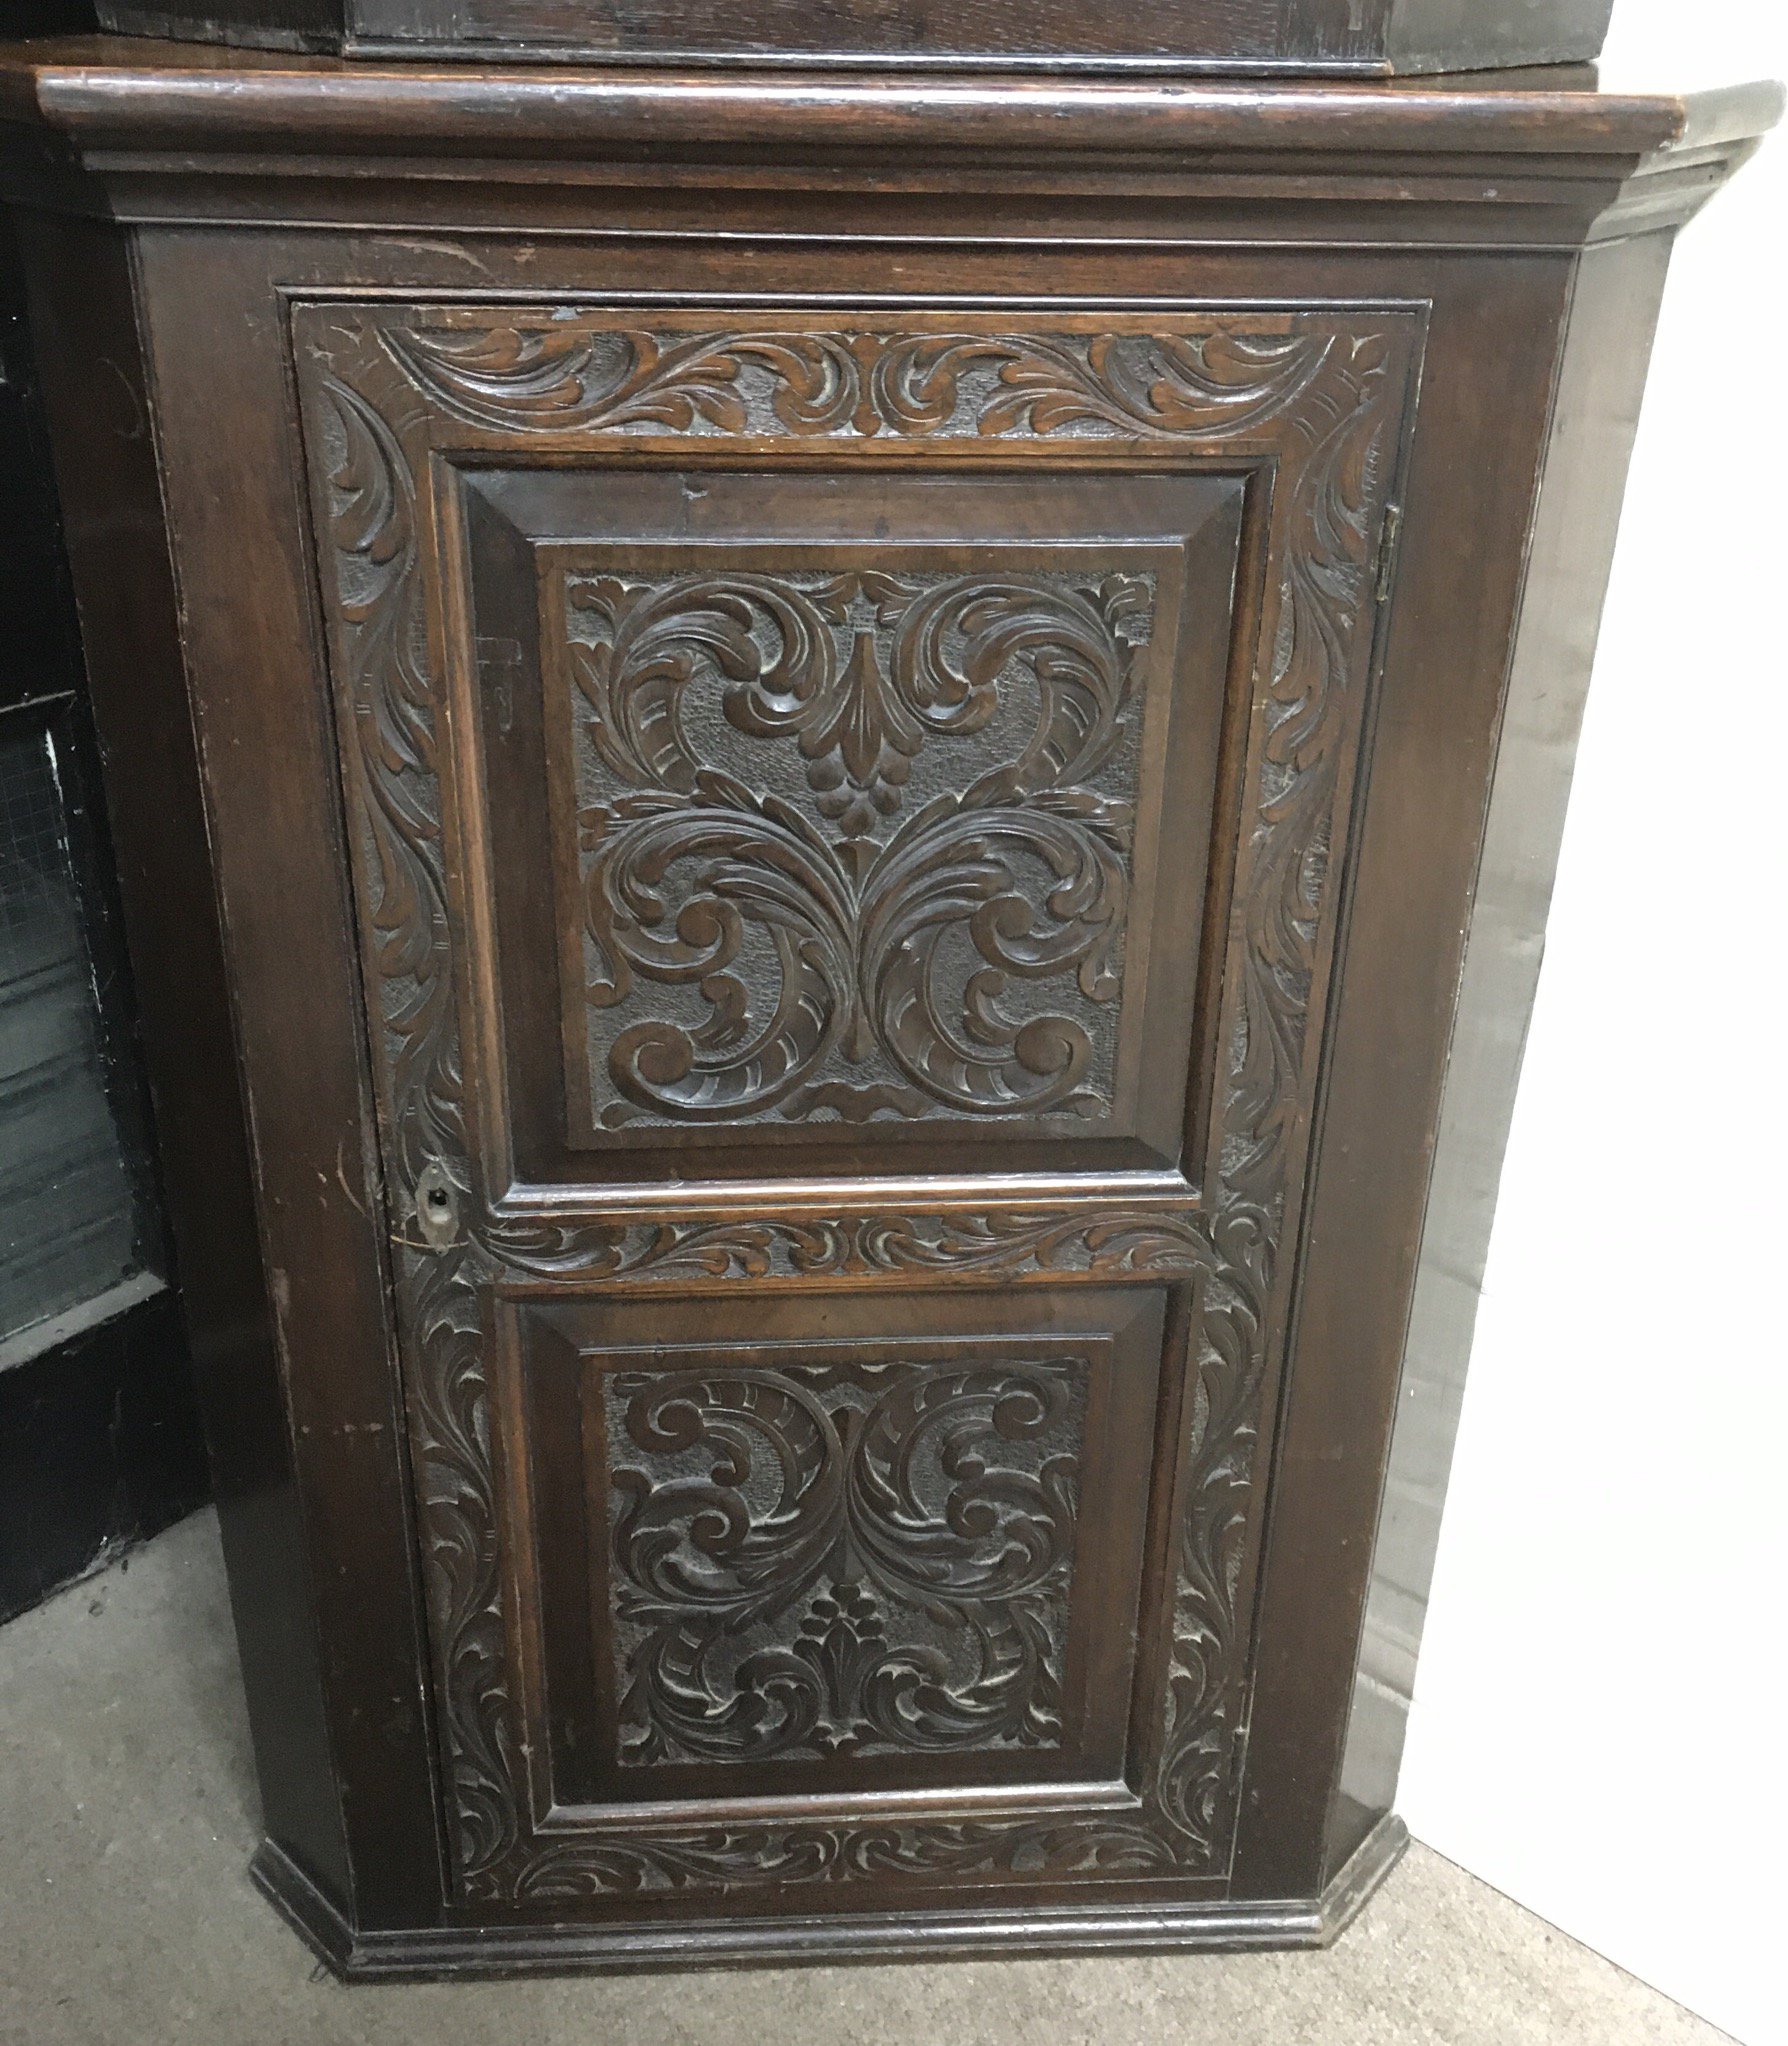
(848, 816)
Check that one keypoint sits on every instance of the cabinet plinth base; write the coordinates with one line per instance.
(437, 1952)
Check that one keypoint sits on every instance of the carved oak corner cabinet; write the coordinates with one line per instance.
(821, 751)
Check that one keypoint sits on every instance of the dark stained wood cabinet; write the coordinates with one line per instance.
(821, 752)
(1264, 37)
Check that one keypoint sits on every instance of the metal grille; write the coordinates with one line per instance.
(70, 1221)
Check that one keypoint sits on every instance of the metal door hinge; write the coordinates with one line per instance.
(437, 1207)
(1389, 534)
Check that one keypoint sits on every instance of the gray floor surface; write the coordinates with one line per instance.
(127, 1816)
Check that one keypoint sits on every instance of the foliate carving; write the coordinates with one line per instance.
(1318, 395)
(1108, 1243)
(939, 1851)
(854, 938)
(565, 377)
(833, 1559)
(393, 772)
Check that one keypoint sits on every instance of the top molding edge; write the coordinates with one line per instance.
(98, 93)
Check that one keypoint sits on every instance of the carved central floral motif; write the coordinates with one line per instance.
(829, 1559)
(927, 917)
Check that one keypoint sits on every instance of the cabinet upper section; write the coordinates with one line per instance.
(1370, 37)
(802, 744)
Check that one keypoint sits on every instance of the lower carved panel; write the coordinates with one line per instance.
(787, 1553)
(841, 1559)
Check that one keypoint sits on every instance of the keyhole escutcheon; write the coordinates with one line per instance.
(437, 1207)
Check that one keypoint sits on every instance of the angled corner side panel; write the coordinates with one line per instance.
(1601, 381)
(97, 390)
(1474, 459)
(217, 335)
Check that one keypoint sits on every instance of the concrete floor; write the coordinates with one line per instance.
(127, 1817)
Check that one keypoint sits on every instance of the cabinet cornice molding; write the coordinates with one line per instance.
(144, 130)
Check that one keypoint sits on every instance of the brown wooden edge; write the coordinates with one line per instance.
(1031, 1934)
(112, 91)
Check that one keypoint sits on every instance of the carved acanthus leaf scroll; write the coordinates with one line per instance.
(960, 954)
(829, 1559)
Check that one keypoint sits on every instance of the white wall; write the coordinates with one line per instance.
(1602, 1704)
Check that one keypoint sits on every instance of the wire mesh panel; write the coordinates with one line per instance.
(71, 1170)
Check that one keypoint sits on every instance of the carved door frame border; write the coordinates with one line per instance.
(1321, 402)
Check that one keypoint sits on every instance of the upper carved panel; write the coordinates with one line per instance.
(841, 1560)
(853, 840)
